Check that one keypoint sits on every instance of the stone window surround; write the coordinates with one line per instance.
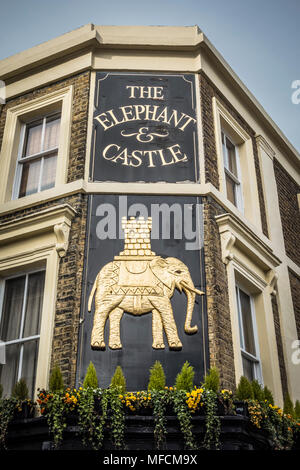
(224, 121)
(251, 263)
(34, 241)
(16, 116)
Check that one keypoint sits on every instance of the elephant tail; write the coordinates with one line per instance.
(92, 294)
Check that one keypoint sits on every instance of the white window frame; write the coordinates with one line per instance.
(20, 340)
(37, 156)
(236, 179)
(58, 101)
(257, 370)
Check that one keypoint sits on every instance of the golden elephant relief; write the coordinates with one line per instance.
(137, 282)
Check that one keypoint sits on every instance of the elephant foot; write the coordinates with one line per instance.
(115, 346)
(175, 345)
(98, 345)
(158, 346)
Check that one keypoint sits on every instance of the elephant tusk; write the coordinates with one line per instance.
(192, 289)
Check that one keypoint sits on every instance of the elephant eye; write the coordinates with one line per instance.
(178, 271)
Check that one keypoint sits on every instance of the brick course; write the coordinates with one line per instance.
(283, 374)
(207, 92)
(295, 291)
(218, 313)
(289, 211)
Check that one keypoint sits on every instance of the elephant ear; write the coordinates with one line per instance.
(159, 267)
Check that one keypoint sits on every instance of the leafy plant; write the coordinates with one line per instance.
(212, 422)
(159, 412)
(118, 380)
(90, 422)
(117, 419)
(56, 416)
(7, 407)
(90, 379)
(185, 378)
(258, 393)
(184, 417)
(212, 380)
(56, 383)
(20, 390)
(297, 410)
(268, 396)
(157, 379)
(288, 407)
(244, 389)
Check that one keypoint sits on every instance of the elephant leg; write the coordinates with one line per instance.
(115, 317)
(102, 310)
(157, 330)
(164, 307)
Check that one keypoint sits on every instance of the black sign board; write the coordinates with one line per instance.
(144, 128)
(177, 226)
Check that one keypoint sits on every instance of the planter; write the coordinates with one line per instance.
(241, 408)
(25, 410)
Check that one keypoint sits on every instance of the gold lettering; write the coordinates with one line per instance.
(150, 152)
(123, 155)
(153, 111)
(106, 150)
(157, 93)
(132, 90)
(104, 120)
(176, 152)
(187, 122)
(139, 109)
(127, 113)
(134, 155)
(111, 112)
(163, 116)
(174, 117)
(163, 161)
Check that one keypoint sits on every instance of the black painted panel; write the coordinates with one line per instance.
(137, 355)
(144, 128)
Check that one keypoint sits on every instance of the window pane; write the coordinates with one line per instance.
(247, 323)
(52, 132)
(33, 138)
(9, 370)
(34, 304)
(29, 362)
(231, 154)
(248, 368)
(30, 178)
(12, 309)
(230, 187)
(49, 172)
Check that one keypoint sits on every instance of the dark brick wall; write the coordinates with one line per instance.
(81, 84)
(218, 313)
(207, 92)
(289, 211)
(282, 368)
(65, 334)
(295, 291)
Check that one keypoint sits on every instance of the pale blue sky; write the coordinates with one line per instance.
(260, 39)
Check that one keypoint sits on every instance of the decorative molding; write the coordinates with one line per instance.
(261, 142)
(235, 234)
(56, 220)
(272, 278)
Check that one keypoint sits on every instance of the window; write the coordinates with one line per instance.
(20, 320)
(232, 172)
(248, 336)
(37, 159)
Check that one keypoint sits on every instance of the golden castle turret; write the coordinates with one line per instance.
(137, 239)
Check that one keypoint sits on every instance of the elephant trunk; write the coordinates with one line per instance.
(190, 294)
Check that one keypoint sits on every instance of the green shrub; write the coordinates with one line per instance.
(185, 378)
(157, 378)
(288, 407)
(258, 393)
(268, 396)
(297, 410)
(20, 390)
(244, 389)
(90, 380)
(56, 383)
(118, 380)
(212, 380)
